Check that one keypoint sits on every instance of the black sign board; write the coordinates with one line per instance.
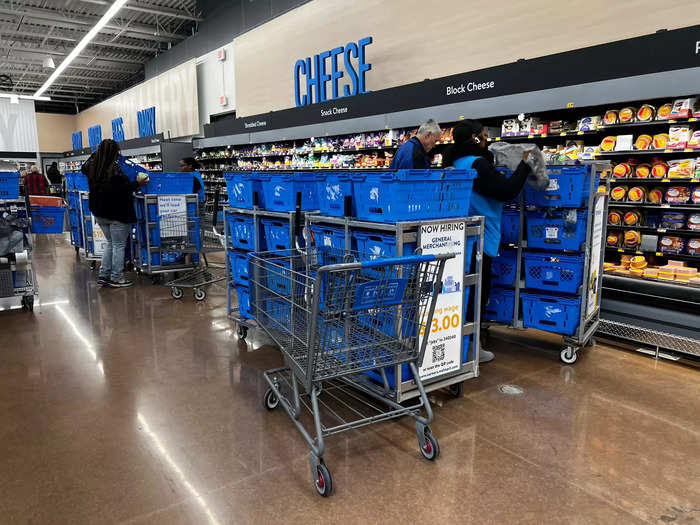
(661, 51)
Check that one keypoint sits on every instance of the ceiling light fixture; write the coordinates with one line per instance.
(114, 8)
(23, 97)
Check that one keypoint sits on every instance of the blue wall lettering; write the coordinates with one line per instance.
(77, 139)
(318, 71)
(94, 136)
(118, 129)
(147, 122)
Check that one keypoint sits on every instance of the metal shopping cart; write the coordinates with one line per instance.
(335, 317)
(194, 235)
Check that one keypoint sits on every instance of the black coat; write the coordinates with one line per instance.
(114, 200)
(54, 175)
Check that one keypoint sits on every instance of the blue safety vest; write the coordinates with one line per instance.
(491, 209)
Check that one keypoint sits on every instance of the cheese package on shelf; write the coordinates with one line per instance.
(694, 221)
(624, 142)
(637, 194)
(510, 127)
(589, 153)
(643, 142)
(678, 195)
(684, 107)
(659, 169)
(660, 141)
(671, 244)
(678, 137)
(610, 117)
(655, 196)
(694, 141)
(694, 246)
(651, 273)
(646, 113)
(681, 168)
(672, 220)
(622, 170)
(627, 115)
(608, 144)
(589, 123)
(664, 111)
(642, 171)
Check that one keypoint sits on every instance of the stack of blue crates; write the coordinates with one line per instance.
(554, 261)
(74, 218)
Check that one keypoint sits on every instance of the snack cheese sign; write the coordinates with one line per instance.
(318, 78)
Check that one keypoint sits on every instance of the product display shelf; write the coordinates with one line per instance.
(653, 229)
(241, 313)
(633, 152)
(404, 237)
(19, 285)
(656, 253)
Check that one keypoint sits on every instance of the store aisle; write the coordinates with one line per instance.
(125, 406)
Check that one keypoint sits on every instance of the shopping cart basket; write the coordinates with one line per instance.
(207, 240)
(334, 320)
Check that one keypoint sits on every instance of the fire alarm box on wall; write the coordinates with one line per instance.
(221, 54)
(223, 100)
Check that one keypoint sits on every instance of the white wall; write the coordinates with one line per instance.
(214, 79)
(18, 126)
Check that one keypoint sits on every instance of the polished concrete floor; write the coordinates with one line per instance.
(125, 406)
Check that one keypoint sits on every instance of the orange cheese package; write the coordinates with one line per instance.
(636, 273)
(659, 169)
(694, 141)
(656, 196)
(608, 144)
(637, 194)
(614, 239)
(642, 171)
(646, 113)
(618, 193)
(681, 168)
(622, 170)
(627, 115)
(643, 142)
(638, 262)
(610, 117)
(678, 137)
(625, 261)
(633, 218)
(660, 141)
(614, 217)
(632, 239)
(664, 112)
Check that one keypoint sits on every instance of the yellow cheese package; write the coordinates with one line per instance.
(638, 262)
(659, 169)
(610, 117)
(622, 170)
(608, 144)
(642, 171)
(681, 168)
(655, 196)
(615, 217)
(614, 238)
(651, 273)
(627, 115)
(664, 112)
(660, 141)
(643, 142)
(632, 239)
(646, 113)
(678, 137)
(633, 218)
(637, 194)
(618, 193)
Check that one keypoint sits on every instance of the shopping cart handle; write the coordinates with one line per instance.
(406, 259)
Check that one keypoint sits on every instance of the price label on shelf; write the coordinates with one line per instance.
(672, 121)
(661, 230)
(687, 150)
(659, 254)
(621, 250)
(664, 205)
(530, 136)
(562, 134)
(692, 119)
(667, 150)
(544, 134)
(639, 252)
(694, 180)
(498, 138)
(580, 133)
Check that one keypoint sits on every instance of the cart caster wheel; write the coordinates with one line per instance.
(270, 401)
(431, 450)
(129, 267)
(323, 481)
(457, 390)
(569, 355)
(176, 292)
(200, 294)
(93, 265)
(242, 332)
(77, 250)
(28, 303)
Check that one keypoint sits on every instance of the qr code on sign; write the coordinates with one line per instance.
(438, 352)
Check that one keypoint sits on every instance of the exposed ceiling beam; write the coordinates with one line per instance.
(155, 10)
(90, 56)
(4, 62)
(58, 38)
(60, 85)
(60, 19)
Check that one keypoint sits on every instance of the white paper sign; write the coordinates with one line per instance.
(99, 241)
(172, 210)
(552, 232)
(553, 185)
(443, 353)
(596, 245)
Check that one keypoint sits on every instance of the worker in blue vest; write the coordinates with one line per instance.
(491, 189)
(413, 154)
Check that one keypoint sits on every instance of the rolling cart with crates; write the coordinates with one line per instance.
(548, 274)
(18, 281)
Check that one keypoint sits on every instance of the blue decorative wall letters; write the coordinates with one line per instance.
(118, 129)
(147, 122)
(77, 139)
(94, 136)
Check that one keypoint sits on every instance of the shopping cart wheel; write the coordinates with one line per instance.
(569, 355)
(200, 294)
(28, 303)
(176, 292)
(242, 332)
(77, 250)
(93, 265)
(323, 481)
(431, 449)
(457, 389)
(271, 401)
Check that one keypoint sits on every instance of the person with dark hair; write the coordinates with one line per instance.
(112, 204)
(53, 174)
(190, 164)
(491, 189)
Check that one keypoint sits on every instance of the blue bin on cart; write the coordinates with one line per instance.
(510, 226)
(243, 295)
(48, 219)
(280, 191)
(504, 268)
(276, 234)
(239, 268)
(328, 236)
(241, 188)
(241, 231)
(9, 185)
(333, 189)
(554, 272)
(169, 183)
(569, 187)
(551, 313)
(501, 305)
(549, 230)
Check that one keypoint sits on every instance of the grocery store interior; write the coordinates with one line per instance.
(309, 260)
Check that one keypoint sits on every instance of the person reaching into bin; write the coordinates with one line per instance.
(491, 189)
(413, 154)
(112, 204)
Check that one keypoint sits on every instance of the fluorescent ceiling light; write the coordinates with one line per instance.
(23, 97)
(116, 6)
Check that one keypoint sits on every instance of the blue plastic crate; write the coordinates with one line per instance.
(276, 234)
(169, 183)
(374, 245)
(569, 187)
(551, 313)
(243, 295)
(554, 272)
(504, 268)
(48, 219)
(280, 191)
(241, 231)
(501, 305)
(130, 169)
(276, 312)
(241, 188)
(239, 267)
(328, 236)
(9, 185)
(510, 226)
(549, 230)
(413, 194)
(279, 277)
(332, 189)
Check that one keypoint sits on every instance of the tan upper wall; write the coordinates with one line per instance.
(55, 132)
(173, 93)
(415, 40)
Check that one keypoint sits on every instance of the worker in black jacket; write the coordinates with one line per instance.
(112, 204)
